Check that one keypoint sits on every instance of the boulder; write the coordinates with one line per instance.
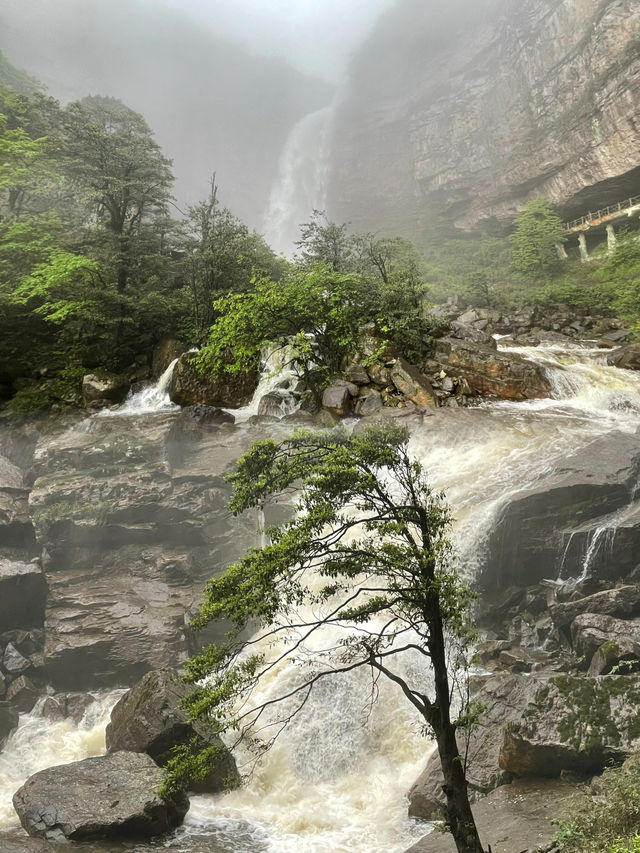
(207, 415)
(107, 387)
(149, 719)
(615, 640)
(64, 706)
(369, 404)
(463, 332)
(272, 405)
(529, 540)
(412, 384)
(627, 357)
(499, 374)
(23, 694)
(574, 723)
(623, 602)
(336, 399)
(112, 796)
(512, 818)
(13, 662)
(189, 387)
(164, 353)
(23, 593)
(8, 721)
(357, 374)
(16, 529)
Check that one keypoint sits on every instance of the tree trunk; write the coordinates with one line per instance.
(459, 817)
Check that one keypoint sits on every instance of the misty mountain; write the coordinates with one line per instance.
(213, 104)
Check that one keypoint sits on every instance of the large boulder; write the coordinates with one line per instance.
(623, 602)
(112, 796)
(149, 718)
(104, 388)
(23, 593)
(605, 642)
(488, 372)
(513, 817)
(189, 387)
(337, 398)
(575, 723)
(533, 533)
(412, 384)
(627, 357)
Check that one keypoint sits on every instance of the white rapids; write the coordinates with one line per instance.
(330, 784)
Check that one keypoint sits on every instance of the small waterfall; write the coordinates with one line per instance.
(153, 398)
(278, 391)
(39, 742)
(301, 186)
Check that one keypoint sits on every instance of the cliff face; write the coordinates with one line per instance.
(462, 114)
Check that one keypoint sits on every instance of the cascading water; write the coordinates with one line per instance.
(278, 391)
(329, 783)
(301, 186)
(153, 398)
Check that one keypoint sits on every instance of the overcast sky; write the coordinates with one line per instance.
(315, 35)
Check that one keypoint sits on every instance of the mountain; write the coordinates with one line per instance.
(457, 113)
(213, 105)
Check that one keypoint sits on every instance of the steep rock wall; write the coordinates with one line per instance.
(460, 114)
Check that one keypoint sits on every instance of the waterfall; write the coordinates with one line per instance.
(330, 783)
(301, 186)
(278, 390)
(153, 398)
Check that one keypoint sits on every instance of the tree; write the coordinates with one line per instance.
(221, 255)
(325, 242)
(114, 160)
(538, 231)
(367, 551)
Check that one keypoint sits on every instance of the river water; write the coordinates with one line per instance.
(331, 783)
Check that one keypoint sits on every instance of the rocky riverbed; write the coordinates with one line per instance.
(110, 526)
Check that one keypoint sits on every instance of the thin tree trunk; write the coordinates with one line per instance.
(459, 817)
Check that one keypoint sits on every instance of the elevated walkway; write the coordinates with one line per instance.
(602, 220)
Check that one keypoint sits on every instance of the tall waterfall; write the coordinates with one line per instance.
(301, 186)
(329, 783)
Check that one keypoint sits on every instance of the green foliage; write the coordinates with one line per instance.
(538, 230)
(605, 816)
(369, 541)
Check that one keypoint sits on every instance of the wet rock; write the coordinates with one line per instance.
(149, 719)
(337, 400)
(23, 844)
(107, 387)
(189, 387)
(513, 817)
(615, 639)
(531, 533)
(623, 602)
(627, 358)
(499, 374)
(164, 353)
(369, 404)
(16, 530)
(22, 594)
(412, 384)
(113, 796)
(380, 375)
(471, 333)
(13, 662)
(64, 706)
(207, 415)
(23, 694)
(572, 723)
(357, 374)
(9, 719)
(272, 405)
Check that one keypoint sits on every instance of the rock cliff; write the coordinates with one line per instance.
(458, 114)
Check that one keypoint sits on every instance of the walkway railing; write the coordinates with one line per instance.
(602, 214)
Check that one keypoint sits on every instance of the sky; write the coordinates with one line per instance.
(316, 36)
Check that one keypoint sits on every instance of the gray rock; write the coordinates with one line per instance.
(272, 405)
(513, 817)
(23, 594)
(413, 384)
(357, 374)
(622, 602)
(337, 400)
(113, 796)
(13, 662)
(370, 404)
(149, 719)
(164, 353)
(189, 387)
(23, 844)
(106, 387)
(605, 641)
(23, 694)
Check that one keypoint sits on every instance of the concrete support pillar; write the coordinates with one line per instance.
(584, 252)
(611, 239)
(562, 252)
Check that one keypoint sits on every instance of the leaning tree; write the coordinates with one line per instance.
(367, 550)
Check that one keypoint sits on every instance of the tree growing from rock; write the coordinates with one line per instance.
(367, 552)
(538, 231)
